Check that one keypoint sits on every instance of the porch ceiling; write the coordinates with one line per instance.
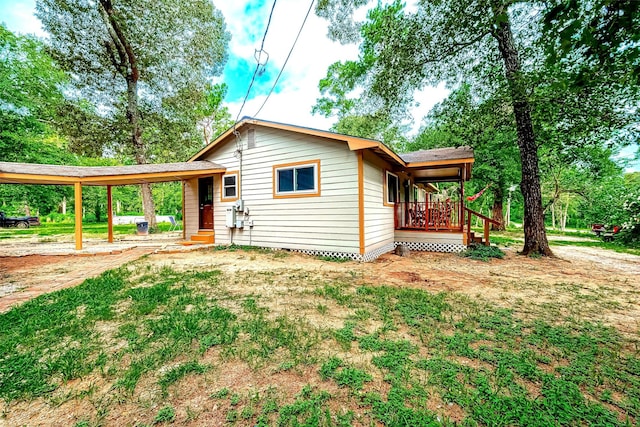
(31, 173)
(441, 173)
(440, 164)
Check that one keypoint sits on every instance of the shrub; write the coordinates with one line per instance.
(482, 253)
(630, 232)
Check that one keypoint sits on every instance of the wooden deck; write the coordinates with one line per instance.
(429, 216)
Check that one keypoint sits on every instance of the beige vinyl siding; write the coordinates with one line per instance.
(191, 208)
(427, 237)
(379, 223)
(328, 222)
(224, 155)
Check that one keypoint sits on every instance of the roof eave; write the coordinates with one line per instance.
(353, 142)
(443, 162)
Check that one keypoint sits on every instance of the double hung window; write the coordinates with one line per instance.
(229, 187)
(391, 188)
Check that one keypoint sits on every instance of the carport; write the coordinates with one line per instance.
(107, 176)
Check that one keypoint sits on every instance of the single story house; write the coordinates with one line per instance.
(323, 193)
(281, 186)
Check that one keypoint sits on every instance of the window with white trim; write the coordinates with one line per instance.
(230, 186)
(298, 179)
(392, 188)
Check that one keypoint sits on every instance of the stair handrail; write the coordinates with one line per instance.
(486, 221)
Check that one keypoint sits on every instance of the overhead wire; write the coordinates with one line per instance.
(258, 56)
(287, 59)
(258, 64)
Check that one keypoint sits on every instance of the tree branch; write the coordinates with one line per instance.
(456, 47)
(125, 50)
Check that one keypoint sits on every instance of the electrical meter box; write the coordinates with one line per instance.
(240, 223)
(231, 218)
(240, 205)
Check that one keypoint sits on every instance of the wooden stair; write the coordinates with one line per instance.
(471, 238)
(204, 237)
(475, 239)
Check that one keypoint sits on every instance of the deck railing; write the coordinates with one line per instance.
(486, 222)
(429, 216)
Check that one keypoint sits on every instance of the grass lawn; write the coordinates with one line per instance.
(190, 346)
(91, 229)
(514, 238)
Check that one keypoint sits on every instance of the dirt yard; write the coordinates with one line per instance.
(578, 280)
(586, 283)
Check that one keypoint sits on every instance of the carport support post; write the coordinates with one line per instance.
(78, 210)
(109, 215)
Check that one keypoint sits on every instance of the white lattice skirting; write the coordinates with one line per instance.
(433, 247)
(367, 257)
(372, 255)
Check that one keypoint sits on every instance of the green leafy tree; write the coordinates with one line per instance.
(29, 84)
(630, 233)
(595, 34)
(216, 117)
(615, 200)
(402, 50)
(138, 62)
(488, 128)
(30, 96)
(494, 45)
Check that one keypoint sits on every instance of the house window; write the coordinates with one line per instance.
(229, 184)
(297, 179)
(391, 188)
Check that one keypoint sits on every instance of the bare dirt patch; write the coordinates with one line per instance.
(25, 277)
(598, 284)
(587, 283)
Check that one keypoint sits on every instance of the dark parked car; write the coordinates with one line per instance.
(18, 221)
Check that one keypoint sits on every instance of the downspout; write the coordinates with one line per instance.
(239, 149)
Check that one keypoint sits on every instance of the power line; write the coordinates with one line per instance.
(268, 23)
(258, 56)
(286, 60)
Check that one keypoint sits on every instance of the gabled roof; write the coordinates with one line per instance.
(354, 142)
(457, 158)
(32, 173)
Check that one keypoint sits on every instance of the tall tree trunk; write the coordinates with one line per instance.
(97, 211)
(125, 61)
(133, 114)
(535, 236)
(497, 212)
(564, 216)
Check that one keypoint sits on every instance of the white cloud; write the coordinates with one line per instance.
(297, 90)
(19, 17)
